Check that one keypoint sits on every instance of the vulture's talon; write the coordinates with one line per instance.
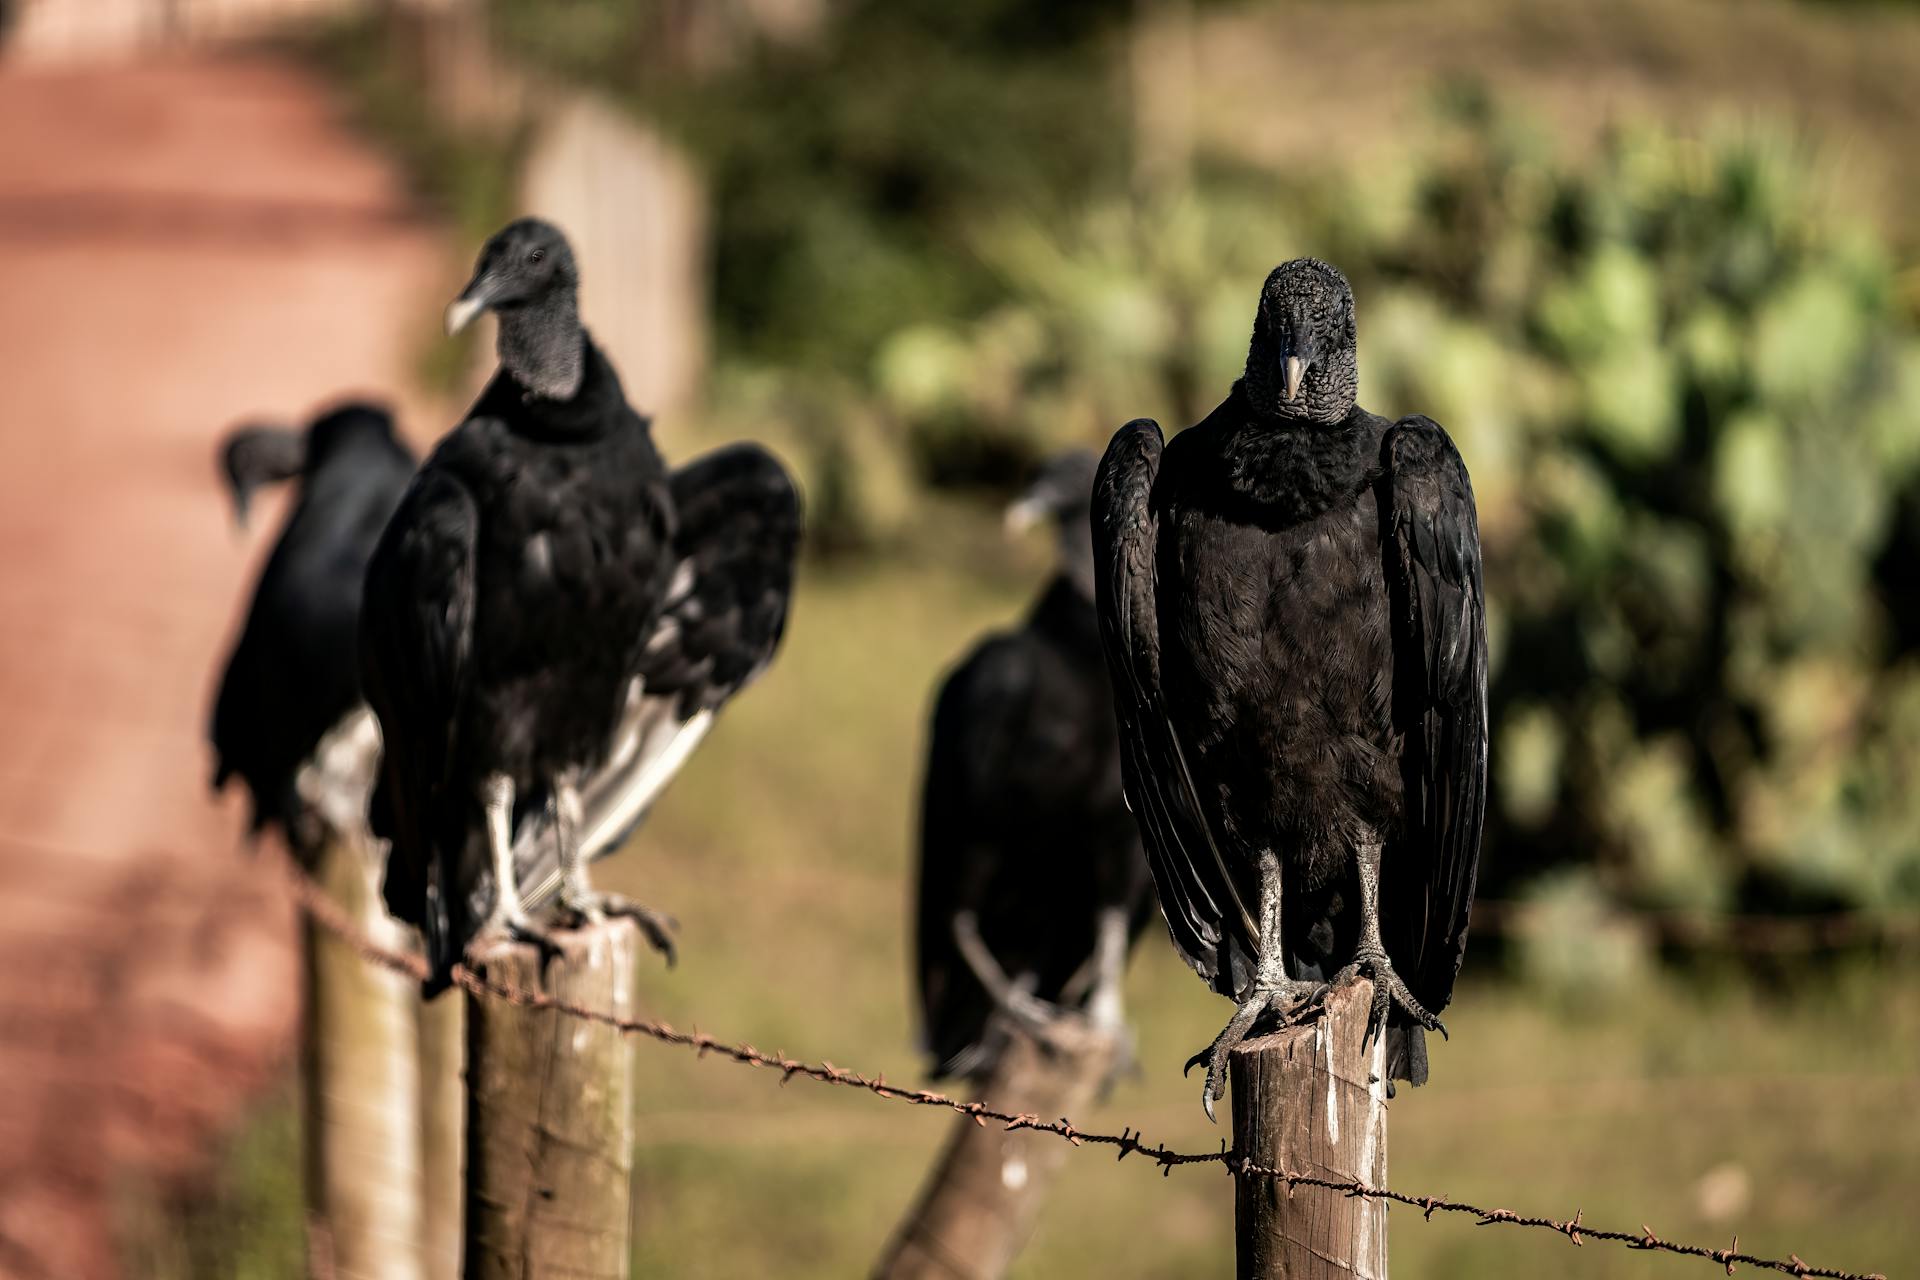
(1291, 1002)
(1388, 990)
(656, 926)
(516, 927)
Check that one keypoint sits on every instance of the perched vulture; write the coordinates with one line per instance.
(1290, 600)
(534, 616)
(294, 674)
(1032, 883)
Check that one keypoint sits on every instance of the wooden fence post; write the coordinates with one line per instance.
(359, 1056)
(1312, 1100)
(443, 1131)
(358, 1083)
(550, 1113)
(980, 1202)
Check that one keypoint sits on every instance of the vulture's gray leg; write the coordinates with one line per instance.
(1026, 1010)
(577, 894)
(1370, 957)
(1105, 1007)
(1272, 990)
(509, 917)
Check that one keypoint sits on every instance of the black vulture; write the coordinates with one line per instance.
(1032, 882)
(294, 673)
(1291, 605)
(528, 611)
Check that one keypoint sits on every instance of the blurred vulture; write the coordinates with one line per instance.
(1032, 883)
(552, 618)
(1291, 605)
(294, 674)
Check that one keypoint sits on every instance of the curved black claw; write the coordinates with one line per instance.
(1294, 1002)
(1388, 990)
(519, 929)
(656, 926)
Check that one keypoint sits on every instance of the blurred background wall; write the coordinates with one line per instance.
(64, 30)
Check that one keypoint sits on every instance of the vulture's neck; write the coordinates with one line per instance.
(540, 345)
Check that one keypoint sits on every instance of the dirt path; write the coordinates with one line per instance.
(182, 244)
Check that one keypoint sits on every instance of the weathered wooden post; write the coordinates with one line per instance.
(1312, 1100)
(443, 1131)
(979, 1205)
(550, 1112)
(359, 1060)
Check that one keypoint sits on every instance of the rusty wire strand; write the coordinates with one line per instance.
(324, 911)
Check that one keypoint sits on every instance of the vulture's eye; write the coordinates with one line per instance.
(536, 255)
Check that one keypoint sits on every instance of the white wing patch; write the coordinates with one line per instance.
(337, 780)
(648, 749)
(682, 585)
(614, 802)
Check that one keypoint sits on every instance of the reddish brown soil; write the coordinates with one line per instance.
(182, 245)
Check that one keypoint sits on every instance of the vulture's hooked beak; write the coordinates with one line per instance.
(472, 301)
(1023, 514)
(256, 456)
(1294, 371)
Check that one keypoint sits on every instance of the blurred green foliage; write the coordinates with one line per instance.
(846, 170)
(1690, 397)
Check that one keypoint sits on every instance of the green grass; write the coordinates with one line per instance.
(784, 850)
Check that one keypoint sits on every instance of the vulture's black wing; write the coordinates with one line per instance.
(979, 721)
(737, 539)
(1211, 927)
(416, 648)
(1431, 542)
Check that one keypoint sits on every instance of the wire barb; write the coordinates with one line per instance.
(325, 912)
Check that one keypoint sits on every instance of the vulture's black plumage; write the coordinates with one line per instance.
(531, 607)
(1032, 882)
(294, 673)
(1291, 604)
(737, 536)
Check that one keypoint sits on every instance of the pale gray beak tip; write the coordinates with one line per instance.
(460, 314)
(1022, 516)
(1294, 371)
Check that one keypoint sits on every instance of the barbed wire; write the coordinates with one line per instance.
(323, 910)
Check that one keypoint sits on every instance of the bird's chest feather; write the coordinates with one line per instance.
(1268, 617)
(1275, 625)
(574, 540)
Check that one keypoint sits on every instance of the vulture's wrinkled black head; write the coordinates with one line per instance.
(1302, 362)
(526, 273)
(1063, 493)
(260, 455)
(524, 262)
(257, 455)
